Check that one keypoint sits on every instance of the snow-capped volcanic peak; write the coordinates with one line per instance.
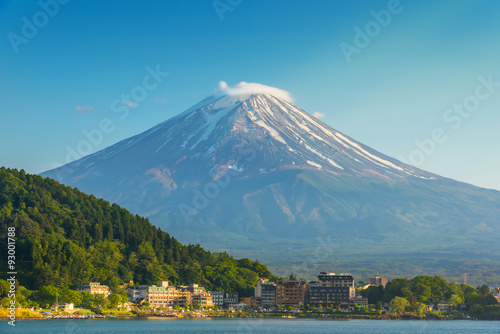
(250, 116)
(247, 169)
(288, 137)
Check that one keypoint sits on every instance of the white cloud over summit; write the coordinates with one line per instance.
(318, 114)
(244, 88)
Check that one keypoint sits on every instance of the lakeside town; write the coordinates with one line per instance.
(330, 295)
(81, 257)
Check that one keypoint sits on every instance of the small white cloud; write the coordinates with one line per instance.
(161, 100)
(222, 85)
(247, 89)
(318, 114)
(83, 109)
(243, 84)
(130, 104)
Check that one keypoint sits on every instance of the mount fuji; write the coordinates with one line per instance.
(246, 171)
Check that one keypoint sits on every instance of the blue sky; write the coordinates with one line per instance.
(394, 91)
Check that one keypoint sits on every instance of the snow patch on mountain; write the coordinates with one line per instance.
(333, 163)
(257, 120)
(211, 120)
(366, 153)
(312, 163)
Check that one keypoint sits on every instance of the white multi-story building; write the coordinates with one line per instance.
(217, 298)
(134, 294)
(164, 295)
(94, 288)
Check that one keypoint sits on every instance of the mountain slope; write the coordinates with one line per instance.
(65, 238)
(246, 170)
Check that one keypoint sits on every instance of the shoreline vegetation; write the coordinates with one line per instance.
(28, 314)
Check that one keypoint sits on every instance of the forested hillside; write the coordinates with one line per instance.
(414, 294)
(66, 237)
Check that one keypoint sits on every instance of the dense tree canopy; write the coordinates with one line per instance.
(413, 294)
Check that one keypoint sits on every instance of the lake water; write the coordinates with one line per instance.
(249, 326)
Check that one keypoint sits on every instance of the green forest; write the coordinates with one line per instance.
(412, 295)
(65, 237)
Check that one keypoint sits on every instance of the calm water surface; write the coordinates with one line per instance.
(248, 326)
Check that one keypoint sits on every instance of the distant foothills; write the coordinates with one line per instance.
(75, 250)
